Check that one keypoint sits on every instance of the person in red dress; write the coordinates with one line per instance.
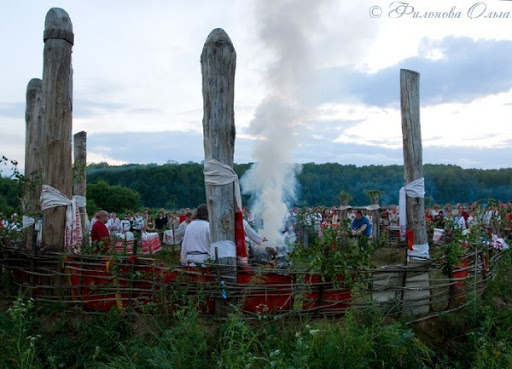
(99, 231)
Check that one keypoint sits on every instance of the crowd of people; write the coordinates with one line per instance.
(495, 217)
(11, 223)
(306, 223)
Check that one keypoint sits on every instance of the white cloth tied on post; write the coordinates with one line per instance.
(81, 201)
(219, 174)
(415, 189)
(27, 222)
(52, 198)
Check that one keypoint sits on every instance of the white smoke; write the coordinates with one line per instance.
(286, 29)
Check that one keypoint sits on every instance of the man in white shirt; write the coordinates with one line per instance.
(195, 247)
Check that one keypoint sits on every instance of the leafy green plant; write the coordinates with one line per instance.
(18, 337)
(333, 255)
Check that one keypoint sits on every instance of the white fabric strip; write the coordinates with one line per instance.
(415, 189)
(27, 222)
(219, 174)
(80, 201)
(52, 198)
(419, 252)
(402, 213)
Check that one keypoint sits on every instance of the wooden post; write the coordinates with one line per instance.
(218, 63)
(80, 172)
(374, 196)
(33, 119)
(57, 121)
(413, 157)
(416, 294)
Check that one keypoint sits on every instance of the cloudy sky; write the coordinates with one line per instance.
(137, 77)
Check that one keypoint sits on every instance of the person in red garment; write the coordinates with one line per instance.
(99, 231)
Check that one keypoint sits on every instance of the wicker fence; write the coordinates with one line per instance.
(133, 283)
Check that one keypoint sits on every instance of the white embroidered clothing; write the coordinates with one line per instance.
(251, 233)
(114, 225)
(125, 225)
(196, 242)
(180, 232)
(138, 223)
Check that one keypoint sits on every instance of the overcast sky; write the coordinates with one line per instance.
(137, 77)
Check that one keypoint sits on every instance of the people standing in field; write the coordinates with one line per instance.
(472, 219)
(99, 231)
(195, 247)
(145, 216)
(393, 216)
(439, 220)
(449, 211)
(180, 232)
(362, 229)
(435, 211)
(126, 224)
(14, 224)
(173, 221)
(458, 221)
(462, 211)
(150, 224)
(138, 222)
(114, 224)
(161, 221)
(183, 214)
(4, 223)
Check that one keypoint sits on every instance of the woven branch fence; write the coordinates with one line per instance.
(142, 284)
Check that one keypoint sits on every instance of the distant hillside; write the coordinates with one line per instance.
(175, 185)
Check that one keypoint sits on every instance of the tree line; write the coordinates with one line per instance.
(176, 186)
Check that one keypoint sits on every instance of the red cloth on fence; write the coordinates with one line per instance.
(241, 249)
(150, 243)
(410, 239)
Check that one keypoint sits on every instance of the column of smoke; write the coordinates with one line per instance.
(284, 28)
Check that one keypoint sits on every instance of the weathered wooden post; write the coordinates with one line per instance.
(374, 197)
(57, 121)
(413, 162)
(218, 63)
(33, 163)
(80, 173)
(418, 282)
